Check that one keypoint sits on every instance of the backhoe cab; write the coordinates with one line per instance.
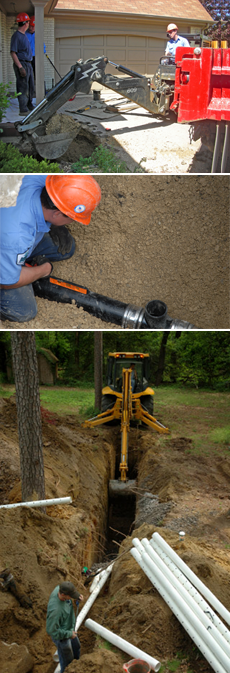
(127, 396)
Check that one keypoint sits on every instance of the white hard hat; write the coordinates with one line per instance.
(171, 26)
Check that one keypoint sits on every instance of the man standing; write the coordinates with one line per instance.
(174, 41)
(21, 54)
(30, 34)
(34, 232)
(60, 622)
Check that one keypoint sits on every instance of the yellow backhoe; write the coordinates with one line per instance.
(127, 396)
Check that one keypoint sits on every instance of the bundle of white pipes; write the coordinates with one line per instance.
(171, 577)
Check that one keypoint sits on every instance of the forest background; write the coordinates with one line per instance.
(191, 359)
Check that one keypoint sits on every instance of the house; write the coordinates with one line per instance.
(130, 32)
(47, 366)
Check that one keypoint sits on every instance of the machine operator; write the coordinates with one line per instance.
(174, 41)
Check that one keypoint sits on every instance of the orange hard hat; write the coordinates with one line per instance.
(171, 26)
(32, 21)
(22, 18)
(74, 195)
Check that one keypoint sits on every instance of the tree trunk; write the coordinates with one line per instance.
(161, 362)
(29, 415)
(98, 367)
(77, 352)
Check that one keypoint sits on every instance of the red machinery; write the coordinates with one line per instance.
(202, 93)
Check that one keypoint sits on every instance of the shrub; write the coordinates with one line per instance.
(12, 161)
(5, 98)
(102, 158)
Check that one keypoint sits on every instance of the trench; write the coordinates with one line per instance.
(122, 507)
(120, 523)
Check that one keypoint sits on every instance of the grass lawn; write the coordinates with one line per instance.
(201, 415)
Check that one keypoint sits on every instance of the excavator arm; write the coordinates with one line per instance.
(33, 126)
(196, 88)
(135, 87)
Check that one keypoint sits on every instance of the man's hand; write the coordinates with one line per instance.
(74, 635)
(39, 260)
(30, 274)
(22, 71)
(62, 238)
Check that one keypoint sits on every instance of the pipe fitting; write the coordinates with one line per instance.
(156, 314)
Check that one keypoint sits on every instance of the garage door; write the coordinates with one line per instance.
(141, 54)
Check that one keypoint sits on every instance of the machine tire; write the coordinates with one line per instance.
(107, 402)
(147, 403)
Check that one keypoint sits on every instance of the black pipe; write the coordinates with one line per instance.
(154, 316)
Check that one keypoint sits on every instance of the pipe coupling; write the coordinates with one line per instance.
(132, 318)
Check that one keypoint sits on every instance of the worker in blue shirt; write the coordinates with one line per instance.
(30, 33)
(21, 55)
(34, 232)
(174, 41)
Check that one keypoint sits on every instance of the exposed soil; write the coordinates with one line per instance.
(43, 549)
(151, 237)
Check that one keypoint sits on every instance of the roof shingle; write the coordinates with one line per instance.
(182, 9)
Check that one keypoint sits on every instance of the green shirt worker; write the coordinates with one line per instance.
(60, 622)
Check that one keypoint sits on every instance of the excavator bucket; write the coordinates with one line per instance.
(52, 146)
(119, 488)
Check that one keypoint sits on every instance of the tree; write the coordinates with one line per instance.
(98, 367)
(161, 362)
(29, 415)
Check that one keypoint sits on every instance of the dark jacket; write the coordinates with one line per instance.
(60, 619)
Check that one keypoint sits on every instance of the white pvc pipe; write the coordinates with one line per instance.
(216, 604)
(186, 596)
(122, 644)
(95, 581)
(192, 591)
(103, 576)
(186, 622)
(38, 503)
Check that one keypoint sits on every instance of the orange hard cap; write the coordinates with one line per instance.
(74, 195)
(171, 26)
(32, 21)
(22, 18)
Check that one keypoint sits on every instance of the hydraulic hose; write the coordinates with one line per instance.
(127, 71)
(153, 316)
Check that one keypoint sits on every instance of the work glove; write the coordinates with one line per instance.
(62, 238)
(22, 72)
(38, 260)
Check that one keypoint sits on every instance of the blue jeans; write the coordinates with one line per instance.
(19, 304)
(68, 650)
(24, 85)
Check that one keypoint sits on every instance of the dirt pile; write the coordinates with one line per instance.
(43, 549)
